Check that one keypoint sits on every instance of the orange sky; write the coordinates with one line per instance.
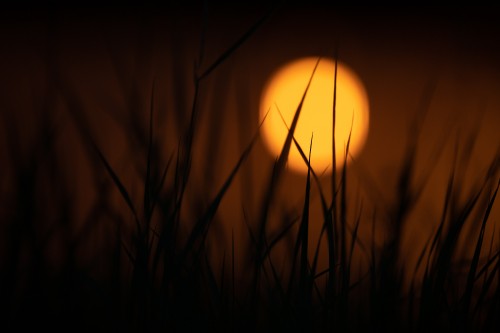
(107, 61)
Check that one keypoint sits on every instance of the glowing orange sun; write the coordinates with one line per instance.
(282, 94)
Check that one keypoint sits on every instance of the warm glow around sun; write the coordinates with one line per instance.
(283, 92)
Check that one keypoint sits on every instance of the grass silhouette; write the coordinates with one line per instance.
(157, 273)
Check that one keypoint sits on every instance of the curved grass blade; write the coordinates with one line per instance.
(475, 259)
(280, 165)
(119, 185)
(203, 223)
(236, 45)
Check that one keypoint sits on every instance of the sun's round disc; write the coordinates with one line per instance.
(281, 98)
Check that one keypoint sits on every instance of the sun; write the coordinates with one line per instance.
(281, 96)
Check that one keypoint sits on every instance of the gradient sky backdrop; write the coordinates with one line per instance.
(107, 60)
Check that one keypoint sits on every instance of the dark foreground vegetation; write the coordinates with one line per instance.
(143, 265)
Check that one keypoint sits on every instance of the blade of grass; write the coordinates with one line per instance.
(446, 207)
(236, 45)
(354, 237)
(471, 277)
(120, 186)
(186, 162)
(325, 210)
(484, 269)
(156, 194)
(274, 180)
(304, 239)
(331, 225)
(306, 161)
(147, 181)
(222, 275)
(233, 280)
(203, 223)
(334, 153)
(204, 29)
(486, 286)
(162, 237)
(278, 238)
(345, 276)
(490, 251)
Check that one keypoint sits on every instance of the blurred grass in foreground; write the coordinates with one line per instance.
(146, 266)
